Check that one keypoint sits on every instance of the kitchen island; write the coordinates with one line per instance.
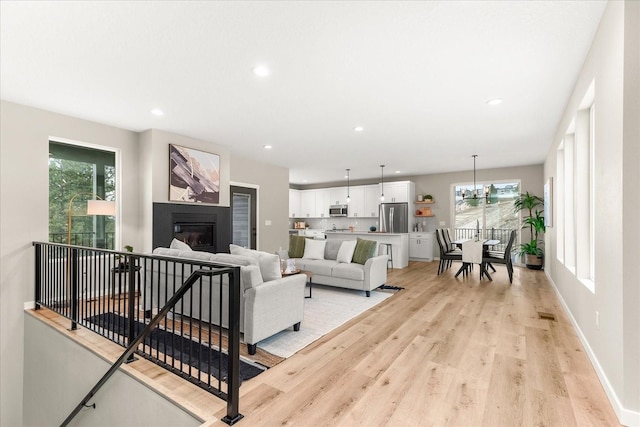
(399, 242)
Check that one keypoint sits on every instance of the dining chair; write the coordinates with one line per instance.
(446, 256)
(472, 253)
(497, 257)
(446, 233)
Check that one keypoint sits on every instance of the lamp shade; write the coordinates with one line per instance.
(101, 207)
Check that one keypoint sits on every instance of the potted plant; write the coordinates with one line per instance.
(124, 265)
(428, 198)
(532, 250)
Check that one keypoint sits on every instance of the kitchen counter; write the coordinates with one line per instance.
(367, 233)
(399, 243)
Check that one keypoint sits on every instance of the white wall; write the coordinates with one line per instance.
(614, 344)
(59, 373)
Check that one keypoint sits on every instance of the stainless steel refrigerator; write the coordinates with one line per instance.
(394, 217)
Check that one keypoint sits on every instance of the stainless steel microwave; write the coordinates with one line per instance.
(338, 210)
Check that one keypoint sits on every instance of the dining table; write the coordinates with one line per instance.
(486, 244)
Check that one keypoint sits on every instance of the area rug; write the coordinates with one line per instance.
(329, 308)
(179, 347)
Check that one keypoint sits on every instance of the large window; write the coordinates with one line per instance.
(492, 211)
(575, 169)
(78, 174)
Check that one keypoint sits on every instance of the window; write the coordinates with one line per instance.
(575, 168)
(559, 195)
(77, 174)
(492, 211)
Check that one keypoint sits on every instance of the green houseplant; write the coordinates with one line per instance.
(532, 250)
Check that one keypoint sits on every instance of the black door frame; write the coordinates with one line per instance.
(253, 196)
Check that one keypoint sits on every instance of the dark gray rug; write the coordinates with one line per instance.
(181, 348)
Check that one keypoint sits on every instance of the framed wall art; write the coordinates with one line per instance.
(194, 175)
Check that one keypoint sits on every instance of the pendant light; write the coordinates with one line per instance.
(474, 193)
(348, 196)
(382, 183)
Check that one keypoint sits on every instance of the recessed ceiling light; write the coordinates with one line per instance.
(267, 147)
(304, 180)
(261, 71)
(494, 101)
(397, 171)
(157, 112)
(358, 128)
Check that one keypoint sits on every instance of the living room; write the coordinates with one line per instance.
(611, 341)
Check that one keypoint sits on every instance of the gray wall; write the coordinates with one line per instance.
(143, 178)
(614, 346)
(440, 185)
(24, 207)
(272, 185)
(59, 373)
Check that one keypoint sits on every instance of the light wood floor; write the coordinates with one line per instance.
(443, 351)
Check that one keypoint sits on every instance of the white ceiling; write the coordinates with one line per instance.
(415, 75)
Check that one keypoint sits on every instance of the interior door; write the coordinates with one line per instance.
(243, 216)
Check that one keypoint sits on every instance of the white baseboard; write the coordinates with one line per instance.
(625, 416)
(29, 305)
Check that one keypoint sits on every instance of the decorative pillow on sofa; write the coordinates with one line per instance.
(345, 253)
(177, 244)
(269, 263)
(296, 246)
(364, 250)
(314, 249)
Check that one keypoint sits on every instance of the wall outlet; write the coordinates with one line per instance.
(442, 223)
(597, 319)
(267, 222)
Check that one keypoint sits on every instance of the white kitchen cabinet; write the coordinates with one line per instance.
(294, 203)
(356, 205)
(323, 202)
(421, 246)
(307, 204)
(399, 192)
(338, 196)
(371, 200)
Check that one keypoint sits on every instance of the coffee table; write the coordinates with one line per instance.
(309, 276)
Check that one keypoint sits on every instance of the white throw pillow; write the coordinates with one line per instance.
(177, 244)
(345, 253)
(314, 249)
(269, 263)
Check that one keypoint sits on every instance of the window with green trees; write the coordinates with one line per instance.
(86, 173)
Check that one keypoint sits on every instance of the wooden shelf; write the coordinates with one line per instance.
(424, 216)
(424, 203)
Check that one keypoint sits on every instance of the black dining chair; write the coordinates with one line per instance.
(446, 256)
(497, 257)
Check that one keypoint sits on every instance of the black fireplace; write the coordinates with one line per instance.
(202, 227)
(199, 236)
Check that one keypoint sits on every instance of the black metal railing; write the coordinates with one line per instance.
(501, 234)
(139, 301)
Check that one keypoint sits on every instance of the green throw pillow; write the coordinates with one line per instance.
(296, 246)
(364, 250)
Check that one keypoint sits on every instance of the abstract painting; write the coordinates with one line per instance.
(194, 176)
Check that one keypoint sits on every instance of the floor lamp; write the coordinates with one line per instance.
(94, 207)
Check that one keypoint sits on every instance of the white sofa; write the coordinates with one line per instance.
(266, 306)
(329, 271)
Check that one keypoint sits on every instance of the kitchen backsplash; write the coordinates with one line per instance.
(360, 224)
